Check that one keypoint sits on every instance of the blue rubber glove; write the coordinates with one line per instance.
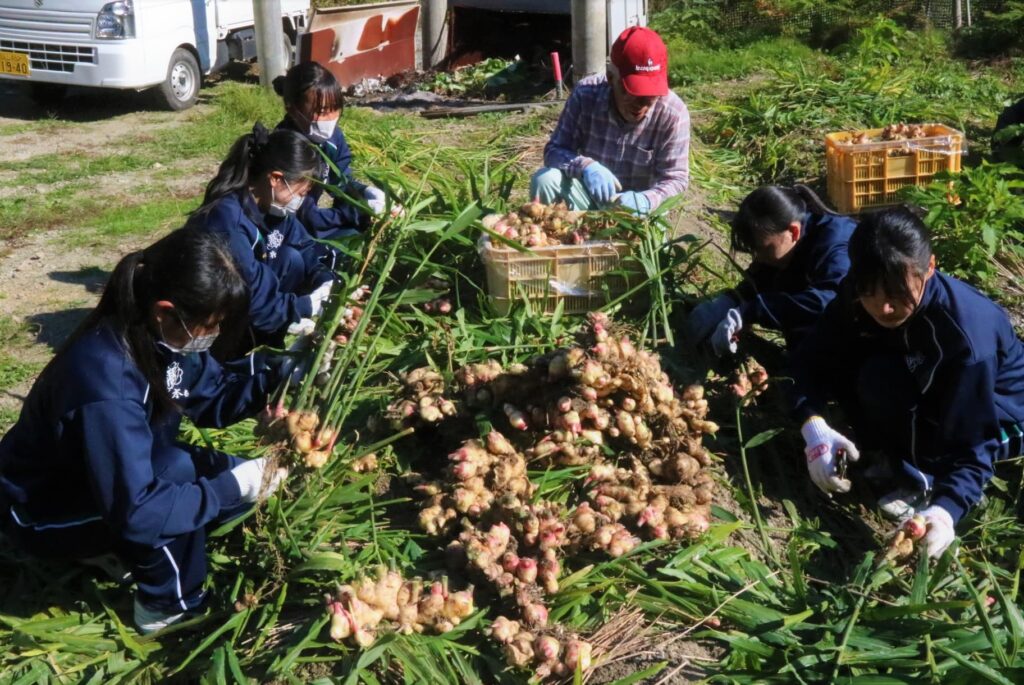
(600, 182)
(638, 203)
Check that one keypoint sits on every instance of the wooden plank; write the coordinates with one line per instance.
(441, 112)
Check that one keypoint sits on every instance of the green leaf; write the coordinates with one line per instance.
(762, 437)
(994, 638)
(885, 613)
(919, 591)
(641, 675)
(981, 670)
(325, 561)
(1013, 619)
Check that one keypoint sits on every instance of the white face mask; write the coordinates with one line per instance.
(321, 131)
(196, 343)
(289, 207)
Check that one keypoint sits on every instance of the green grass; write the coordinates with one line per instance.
(147, 219)
(70, 168)
(691, 63)
(8, 417)
(889, 75)
(14, 339)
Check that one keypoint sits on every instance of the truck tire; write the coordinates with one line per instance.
(47, 95)
(180, 89)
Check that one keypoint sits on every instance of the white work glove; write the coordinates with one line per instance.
(940, 533)
(724, 338)
(302, 327)
(319, 296)
(823, 445)
(705, 317)
(250, 475)
(375, 199)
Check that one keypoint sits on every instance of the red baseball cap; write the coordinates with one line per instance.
(642, 60)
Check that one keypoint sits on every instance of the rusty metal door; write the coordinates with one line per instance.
(363, 41)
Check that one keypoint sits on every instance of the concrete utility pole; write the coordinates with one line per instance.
(589, 37)
(958, 15)
(434, 38)
(269, 40)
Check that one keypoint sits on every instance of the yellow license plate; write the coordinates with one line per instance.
(14, 63)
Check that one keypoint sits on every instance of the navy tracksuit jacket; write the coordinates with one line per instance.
(791, 298)
(943, 393)
(277, 257)
(330, 222)
(87, 469)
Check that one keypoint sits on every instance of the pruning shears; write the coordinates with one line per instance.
(842, 463)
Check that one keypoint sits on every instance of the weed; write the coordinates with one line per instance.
(890, 75)
(695, 63)
(469, 81)
(976, 217)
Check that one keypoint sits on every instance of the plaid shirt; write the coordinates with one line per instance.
(651, 155)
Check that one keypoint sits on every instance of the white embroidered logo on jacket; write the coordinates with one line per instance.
(274, 241)
(175, 375)
(914, 361)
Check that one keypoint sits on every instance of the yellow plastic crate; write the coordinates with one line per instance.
(584, 277)
(870, 175)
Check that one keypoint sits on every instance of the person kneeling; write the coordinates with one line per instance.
(925, 368)
(92, 465)
(623, 138)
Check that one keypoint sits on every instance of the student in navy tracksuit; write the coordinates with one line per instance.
(313, 103)
(251, 203)
(799, 258)
(925, 367)
(92, 465)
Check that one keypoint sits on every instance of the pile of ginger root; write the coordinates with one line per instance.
(601, 403)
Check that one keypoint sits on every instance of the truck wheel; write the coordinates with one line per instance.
(47, 95)
(180, 89)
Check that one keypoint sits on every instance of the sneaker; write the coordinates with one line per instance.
(151, 620)
(111, 567)
(902, 503)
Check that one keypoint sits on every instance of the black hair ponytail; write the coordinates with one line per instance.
(310, 77)
(191, 268)
(259, 152)
(885, 248)
(769, 210)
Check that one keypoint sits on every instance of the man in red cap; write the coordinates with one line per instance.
(623, 137)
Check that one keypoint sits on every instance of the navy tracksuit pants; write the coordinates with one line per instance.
(169, 578)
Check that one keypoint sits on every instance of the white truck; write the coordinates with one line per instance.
(167, 45)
